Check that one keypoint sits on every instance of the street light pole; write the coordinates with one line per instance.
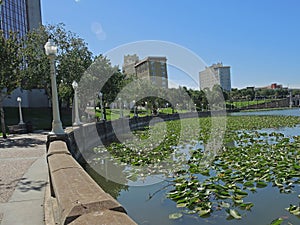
(76, 120)
(51, 51)
(121, 107)
(134, 109)
(19, 100)
(101, 105)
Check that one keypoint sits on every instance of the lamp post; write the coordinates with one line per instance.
(134, 109)
(76, 120)
(101, 104)
(121, 107)
(19, 100)
(51, 51)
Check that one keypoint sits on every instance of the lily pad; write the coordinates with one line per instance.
(235, 214)
(261, 184)
(293, 209)
(175, 216)
(181, 205)
(278, 221)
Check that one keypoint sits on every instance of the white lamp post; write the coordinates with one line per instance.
(121, 107)
(135, 109)
(51, 51)
(146, 106)
(19, 100)
(101, 105)
(76, 120)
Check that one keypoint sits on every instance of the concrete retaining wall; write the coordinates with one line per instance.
(79, 198)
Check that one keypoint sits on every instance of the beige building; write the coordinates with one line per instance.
(215, 74)
(154, 69)
(129, 63)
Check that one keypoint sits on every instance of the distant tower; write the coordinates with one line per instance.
(129, 63)
(215, 74)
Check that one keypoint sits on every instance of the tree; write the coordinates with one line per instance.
(100, 76)
(72, 60)
(10, 66)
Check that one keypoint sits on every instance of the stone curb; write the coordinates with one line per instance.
(78, 196)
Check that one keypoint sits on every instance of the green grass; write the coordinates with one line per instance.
(242, 104)
(114, 114)
(41, 118)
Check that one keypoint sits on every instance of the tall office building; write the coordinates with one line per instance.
(215, 74)
(20, 16)
(154, 69)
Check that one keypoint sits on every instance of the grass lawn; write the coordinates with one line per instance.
(242, 104)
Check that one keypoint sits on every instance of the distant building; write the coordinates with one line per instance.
(275, 86)
(154, 69)
(272, 86)
(129, 64)
(215, 74)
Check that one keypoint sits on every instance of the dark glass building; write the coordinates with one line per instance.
(20, 16)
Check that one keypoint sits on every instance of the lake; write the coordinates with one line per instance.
(145, 197)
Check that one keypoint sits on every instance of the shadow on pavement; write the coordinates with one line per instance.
(25, 185)
(20, 142)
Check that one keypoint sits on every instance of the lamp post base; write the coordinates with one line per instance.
(77, 123)
(57, 128)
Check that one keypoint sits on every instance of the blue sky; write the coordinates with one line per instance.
(259, 39)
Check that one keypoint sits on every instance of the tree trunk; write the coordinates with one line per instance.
(3, 127)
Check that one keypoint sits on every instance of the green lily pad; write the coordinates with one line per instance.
(181, 205)
(278, 221)
(293, 209)
(235, 214)
(224, 204)
(204, 212)
(261, 184)
(246, 205)
(175, 216)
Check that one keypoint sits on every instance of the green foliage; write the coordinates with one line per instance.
(100, 76)
(10, 66)
(72, 60)
(10, 63)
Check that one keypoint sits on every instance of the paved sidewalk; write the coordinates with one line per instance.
(23, 179)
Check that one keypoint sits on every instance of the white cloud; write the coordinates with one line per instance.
(77, 0)
(98, 30)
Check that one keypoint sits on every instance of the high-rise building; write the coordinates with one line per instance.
(129, 63)
(20, 16)
(215, 74)
(154, 69)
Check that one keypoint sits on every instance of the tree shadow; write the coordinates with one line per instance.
(21, 142)
(26, 185)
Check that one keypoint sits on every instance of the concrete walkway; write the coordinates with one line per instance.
(23, 179)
